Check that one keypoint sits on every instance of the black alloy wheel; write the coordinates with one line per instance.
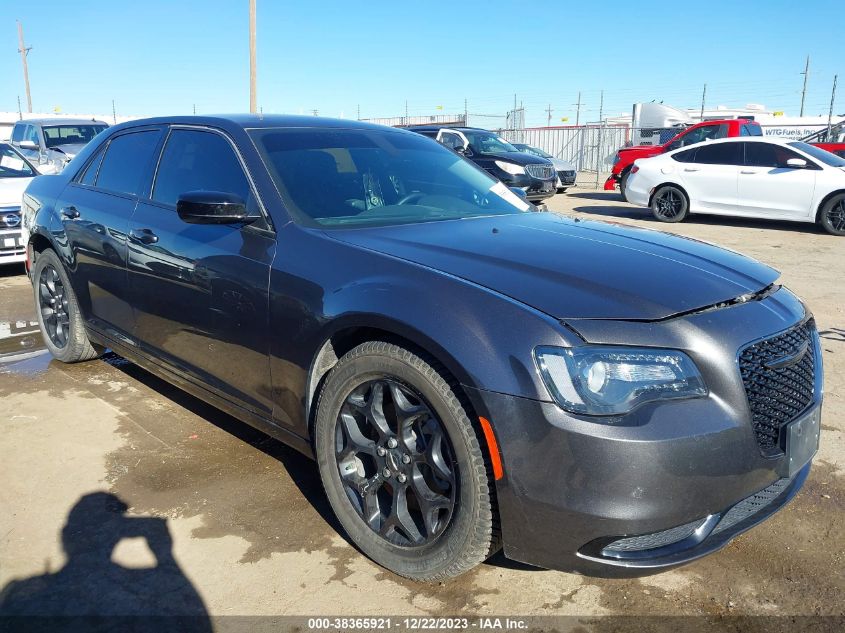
(395, 462)
(53, 304)
(669, 204)
(832, 217)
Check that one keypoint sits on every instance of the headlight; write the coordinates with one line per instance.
(603, 380)
(514, 170)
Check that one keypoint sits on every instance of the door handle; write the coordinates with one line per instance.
(143, 236)
(747, 171)
(70, 213)
(690, 168)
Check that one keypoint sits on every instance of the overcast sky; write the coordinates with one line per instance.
(157, 57)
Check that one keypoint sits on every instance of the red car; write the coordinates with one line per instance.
(706, 130)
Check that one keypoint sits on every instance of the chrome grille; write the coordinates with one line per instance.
(779, 378)
(538, 170)
(10, 217)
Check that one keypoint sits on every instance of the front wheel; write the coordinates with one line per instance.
(58, 312)
(832, 216)
(402, 465)
(669, 204)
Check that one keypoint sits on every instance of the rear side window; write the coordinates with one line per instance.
(200, 161)
(719, 154)
(126, 161)
(17, 133)
(90, 174)
(687, 156)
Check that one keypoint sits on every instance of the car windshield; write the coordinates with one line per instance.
(12, 164)
(68, 134)
(353, 177)
(488, 143)
(819, 154)
(538, 152)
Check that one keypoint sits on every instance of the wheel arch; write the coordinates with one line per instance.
(671, 183)
(825, 200)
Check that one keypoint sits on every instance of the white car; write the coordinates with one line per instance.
(15, 174)
(751, 177)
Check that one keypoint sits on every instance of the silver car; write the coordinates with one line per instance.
(566, 173)
(52, 143)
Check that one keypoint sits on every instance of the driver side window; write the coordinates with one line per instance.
(196, 160)
(452, 141)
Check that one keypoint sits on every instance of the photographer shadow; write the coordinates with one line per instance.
(92, 592)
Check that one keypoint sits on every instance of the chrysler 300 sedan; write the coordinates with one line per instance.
(469, 374)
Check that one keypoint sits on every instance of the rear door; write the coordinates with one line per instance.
(200, 291)
(94, 210)
(711, 177)
(769, 188)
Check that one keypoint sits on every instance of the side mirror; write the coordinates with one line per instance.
(461, 150)
(28, 145)
(211, 207)
(796, 163)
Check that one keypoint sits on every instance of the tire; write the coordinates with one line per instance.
(63, 330)
(562, 190)
(623, 184)
(832, 216)
(450, 471)
(669, 204)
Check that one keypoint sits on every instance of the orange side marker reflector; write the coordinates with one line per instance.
(493, 447)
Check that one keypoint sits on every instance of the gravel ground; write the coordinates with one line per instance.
(243, 527)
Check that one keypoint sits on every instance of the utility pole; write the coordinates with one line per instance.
(315, 112)
(253, 91)
(113, 112)
(830, 112)
(20, 114)
(549, 119)
(406, 112)
(598, 143)
(578, 110)
(465, 112)
(806, 74)
(703, 95)
(195, 109)
(24, 51)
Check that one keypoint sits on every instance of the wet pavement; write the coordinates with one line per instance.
(106, 468)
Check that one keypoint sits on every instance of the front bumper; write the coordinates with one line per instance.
(535, 189)
(664, 478)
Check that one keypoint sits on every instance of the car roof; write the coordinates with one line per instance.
(434, 128)
(58, 121)
(257, 121)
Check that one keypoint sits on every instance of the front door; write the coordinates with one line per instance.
(200, 291)
(769, 188)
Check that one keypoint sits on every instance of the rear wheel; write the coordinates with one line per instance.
(58, 312)
(623, 184)
(401, 464)
(669, 204)
(832, 216)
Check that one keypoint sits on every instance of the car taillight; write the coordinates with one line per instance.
(634, 169)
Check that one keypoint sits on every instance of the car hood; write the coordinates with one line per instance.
(520, 158)
(11, 191)
(568, 268)
(562, 165)
(642, 150)
(71, 149)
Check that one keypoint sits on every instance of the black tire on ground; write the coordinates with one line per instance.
(623, 183)
(562, 190)
(832, 216)
(58, 312)
(401, 531)
(669, 204)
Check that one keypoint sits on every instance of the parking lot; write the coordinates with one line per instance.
(252, 533)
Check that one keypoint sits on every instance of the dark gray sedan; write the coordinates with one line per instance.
(468, 373)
